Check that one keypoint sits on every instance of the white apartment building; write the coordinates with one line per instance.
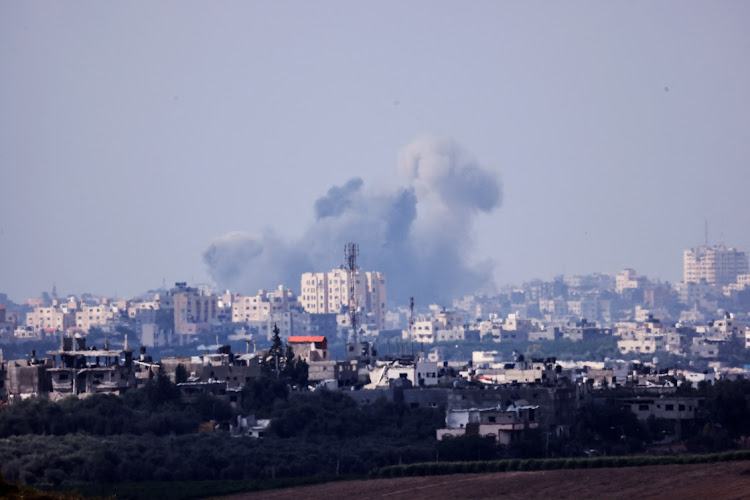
(640, 342)
(629, 279)
(56, 317)
(95, 315)
(325, 293)
(259, 307)
(717, 265)
(743, 282)
(280, 307)
(424, 332)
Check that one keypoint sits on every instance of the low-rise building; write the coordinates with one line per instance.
(663, 407)
(520, 372)
(221, 366)
(342, 373)
(419, 372)
(25, 378)
(504, 425)
(310, 348)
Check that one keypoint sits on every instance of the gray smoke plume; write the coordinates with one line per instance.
(419, 235)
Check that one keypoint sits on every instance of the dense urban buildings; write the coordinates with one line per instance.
(699, 320)
(716, 265)
(548, 350)
(323, 293)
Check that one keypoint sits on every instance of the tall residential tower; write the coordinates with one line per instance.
(716, 265)
(329, 292)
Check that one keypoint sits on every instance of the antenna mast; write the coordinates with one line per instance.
(351, 250)
(411, 318)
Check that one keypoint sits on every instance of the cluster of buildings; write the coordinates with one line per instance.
(486, 396)
(184, 313)
(401, 354)
(709, 308)
(693, 318)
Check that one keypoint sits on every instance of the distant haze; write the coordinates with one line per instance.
(419, 234)
(148, 142)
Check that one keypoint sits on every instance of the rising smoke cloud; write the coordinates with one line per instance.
(419, 234)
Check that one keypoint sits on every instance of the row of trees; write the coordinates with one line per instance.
(154, 409)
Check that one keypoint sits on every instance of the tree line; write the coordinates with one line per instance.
(149, 434)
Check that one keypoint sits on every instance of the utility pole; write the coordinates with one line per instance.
(351, 250)
(411, 317)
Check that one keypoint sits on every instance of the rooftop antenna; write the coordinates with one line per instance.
(411, 316)
(351, 250)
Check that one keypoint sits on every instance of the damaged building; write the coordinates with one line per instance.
(24, 378)
(504, 425)
(87, 370)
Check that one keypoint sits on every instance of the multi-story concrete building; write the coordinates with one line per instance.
(505, 426)
(88, 371)
(424, 331)
(259, 307)
(555, 307)
(674, 408)
(7, 324)
(280, 307)
(627, 278)
(716, 265)
(193, 310)
(651, 337)
(95, 315)
(586, 307)
(294, 322)
(323, 293)
(742, 283)
(57, 317)
(310, 347)
(233, 370)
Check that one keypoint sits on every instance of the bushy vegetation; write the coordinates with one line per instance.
(13, 491)
(154, 409)
(148, 434)
(443, 468)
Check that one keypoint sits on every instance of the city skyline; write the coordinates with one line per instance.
(719, 266)
(135, 135)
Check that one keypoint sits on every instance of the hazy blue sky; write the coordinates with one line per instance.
(132, 134)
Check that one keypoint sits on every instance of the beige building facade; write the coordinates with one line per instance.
(95, 315)
(325, 293)
(259, 307)
(716, 265)
(55, 317)
(193, 311)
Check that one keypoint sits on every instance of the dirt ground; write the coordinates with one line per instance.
(726, 480)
